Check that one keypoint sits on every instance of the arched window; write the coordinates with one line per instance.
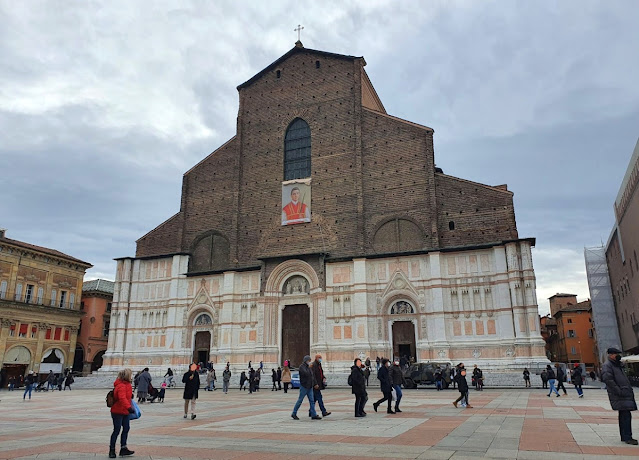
(297, 150)
(398, 235)
(209, 252)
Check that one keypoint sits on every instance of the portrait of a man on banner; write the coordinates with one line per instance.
(296, 202)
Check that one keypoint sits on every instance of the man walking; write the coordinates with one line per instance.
(478, 378)
(397, 380)
(561, 378)
(620, 394)
(356, 381)
(577, 379)
(226, 379)
(551, 380)
(28, 384)
(462, 386)
(306, 389)
(50, 381)
(320, 384)
(279, 378)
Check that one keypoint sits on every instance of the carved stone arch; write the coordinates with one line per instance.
(384, 307)
(281, 273)
(209, 250)
(396, 234)
(192, 328)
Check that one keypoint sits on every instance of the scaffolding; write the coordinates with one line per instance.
(604, 315)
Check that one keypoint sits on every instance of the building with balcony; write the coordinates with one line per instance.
(93, 336)
(40, 291)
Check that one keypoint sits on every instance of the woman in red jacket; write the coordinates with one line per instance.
(122, 393)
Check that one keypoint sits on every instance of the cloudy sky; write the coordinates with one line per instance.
(104, 105)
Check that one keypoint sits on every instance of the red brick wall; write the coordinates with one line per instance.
(366, 168)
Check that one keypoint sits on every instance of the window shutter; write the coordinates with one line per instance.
(23, 329)
(71, 300)
(66, 334)
(40, 295)
(48, 337)
(53, 295)
(3, 289)
(19, 292)
(58, 333)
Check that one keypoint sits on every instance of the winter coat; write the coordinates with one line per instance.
(561, 375)
(462, 384)
(30, 380)
(396, 376)
(243, 378)
(550, 374)
(438, 376)
(577, 378)
(384, 379)
(619, 390)
(51, 378)
(358, 380)
(274, 375)
(318, 375)
(226, 375)
(477, 373)
(526, 375)
(143, 382)
(122, 395)
(279, 374)
(286, 375)
(69, 381)
(306, 376)
(210, 377)
(191, 385)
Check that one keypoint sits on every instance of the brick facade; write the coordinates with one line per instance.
(387, 230)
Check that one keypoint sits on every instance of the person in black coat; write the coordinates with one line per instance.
(243, 380)
(561, 378)
(462, 385)
(397, 380)
(307, 382)
(191, 381)
(620, 394)
(385, 385)
(358, 384)
(251, 379)
(577, 379)
(279, 378)
(274, 378)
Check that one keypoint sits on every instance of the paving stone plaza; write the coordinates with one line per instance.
(522, 424)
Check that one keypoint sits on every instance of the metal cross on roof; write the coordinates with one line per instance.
(299, 31)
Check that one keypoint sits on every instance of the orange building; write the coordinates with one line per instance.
(93, 337)
(575, 341)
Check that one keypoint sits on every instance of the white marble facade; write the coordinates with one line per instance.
(477, 306)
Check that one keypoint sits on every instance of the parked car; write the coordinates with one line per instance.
(295, 379)
(424, 374)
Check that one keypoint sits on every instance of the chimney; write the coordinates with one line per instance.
(2, 232)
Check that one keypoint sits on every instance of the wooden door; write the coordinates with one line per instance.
(296, 333)
(404, 339)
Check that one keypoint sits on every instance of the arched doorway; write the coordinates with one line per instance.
(16, 362)
(403, 332)
(78, 360)
(97, 360)
(202, 347)
(296, 333)
(53, 360)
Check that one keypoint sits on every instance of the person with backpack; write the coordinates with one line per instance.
(383, 375)
(551, 380)
(544, 378)
(191, 380)
(121, 407)
(357, 382)
(561, 378)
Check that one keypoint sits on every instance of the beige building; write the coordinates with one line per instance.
(40, 292)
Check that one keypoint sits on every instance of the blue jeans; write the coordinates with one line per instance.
(398, 390)
(120, 422)
(317, 396)
(305, 392)
(27, 389)
(438, 384)
(579, 390)
(551, 382)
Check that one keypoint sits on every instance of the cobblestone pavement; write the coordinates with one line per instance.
(522, 424)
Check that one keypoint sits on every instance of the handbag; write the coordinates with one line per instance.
(394, 394)
(137, 412)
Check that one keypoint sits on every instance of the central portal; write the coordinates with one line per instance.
(404, 340)
(296, 333)
(202, 347)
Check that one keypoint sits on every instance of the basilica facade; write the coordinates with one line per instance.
(324, 226)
